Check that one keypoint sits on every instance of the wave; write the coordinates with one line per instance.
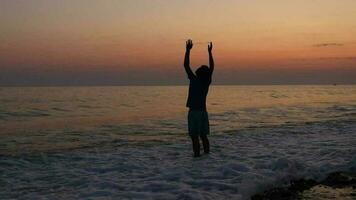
(241, 163)
(7, 115)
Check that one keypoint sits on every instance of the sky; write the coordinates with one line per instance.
(142, 42)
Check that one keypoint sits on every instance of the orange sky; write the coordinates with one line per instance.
(150, 34)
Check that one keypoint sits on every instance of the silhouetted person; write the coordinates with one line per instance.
(198, 121)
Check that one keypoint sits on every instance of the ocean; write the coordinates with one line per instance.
(131, 142)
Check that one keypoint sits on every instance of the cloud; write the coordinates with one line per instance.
(338, 58)
(328, 44)
(350, 58)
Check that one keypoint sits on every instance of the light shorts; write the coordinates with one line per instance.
(198, 123)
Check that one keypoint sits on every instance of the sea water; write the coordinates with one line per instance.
(131, 142)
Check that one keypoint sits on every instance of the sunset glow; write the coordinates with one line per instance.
(52, 38)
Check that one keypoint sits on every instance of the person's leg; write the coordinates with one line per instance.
(205, 141)
(196, 146)
(205, 131)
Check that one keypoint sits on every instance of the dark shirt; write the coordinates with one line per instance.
(198, 90)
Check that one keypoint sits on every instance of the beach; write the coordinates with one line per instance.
(132, 143)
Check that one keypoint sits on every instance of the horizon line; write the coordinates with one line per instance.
(167, 85)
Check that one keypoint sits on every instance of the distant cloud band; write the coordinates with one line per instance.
(328, 44)
(338, 58)
(351, 58)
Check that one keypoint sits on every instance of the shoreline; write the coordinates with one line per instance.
(340, 184)
(242, 163)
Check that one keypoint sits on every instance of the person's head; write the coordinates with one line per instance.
(203, 72)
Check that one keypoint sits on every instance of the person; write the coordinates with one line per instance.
(198, 121)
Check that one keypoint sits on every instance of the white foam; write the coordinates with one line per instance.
(240, 165)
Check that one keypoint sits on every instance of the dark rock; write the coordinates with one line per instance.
(336, 179)
(302, 184)
(340, 179)
(275, 194)
(286, 193)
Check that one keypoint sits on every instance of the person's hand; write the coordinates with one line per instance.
(189, 45)
(210, 46)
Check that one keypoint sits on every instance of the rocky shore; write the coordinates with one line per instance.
(337, 185)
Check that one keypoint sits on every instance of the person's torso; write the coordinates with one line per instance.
(198, 91)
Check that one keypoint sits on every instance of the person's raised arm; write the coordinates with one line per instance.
(189, 46)
(211, 59)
